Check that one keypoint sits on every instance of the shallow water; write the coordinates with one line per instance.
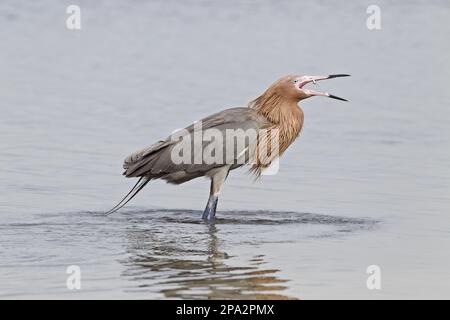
(367, 183)
(164, 253)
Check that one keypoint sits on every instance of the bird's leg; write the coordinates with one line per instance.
(218, 177)
(210, 211)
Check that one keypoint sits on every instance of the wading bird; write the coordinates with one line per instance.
(276, 109)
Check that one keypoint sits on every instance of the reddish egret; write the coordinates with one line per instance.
(276, 109)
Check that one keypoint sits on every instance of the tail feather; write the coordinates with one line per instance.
(138, 187)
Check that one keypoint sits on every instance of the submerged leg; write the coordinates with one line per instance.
(210, 210)
(218, 177)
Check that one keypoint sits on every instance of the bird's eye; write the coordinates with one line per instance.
(296, 81)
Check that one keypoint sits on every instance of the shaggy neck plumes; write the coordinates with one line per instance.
(278, 109)
(274, 106)
(282, 113)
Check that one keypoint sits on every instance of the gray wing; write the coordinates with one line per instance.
(155, 161)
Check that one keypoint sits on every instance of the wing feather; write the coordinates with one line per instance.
(155, 161)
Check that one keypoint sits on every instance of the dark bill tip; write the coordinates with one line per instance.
(331, 76)
(336, 97)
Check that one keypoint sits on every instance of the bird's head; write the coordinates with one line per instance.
(292, 87)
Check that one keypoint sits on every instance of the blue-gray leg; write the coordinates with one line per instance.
(218, 177)
(210, 210)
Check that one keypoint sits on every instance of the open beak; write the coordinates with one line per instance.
(307, 79)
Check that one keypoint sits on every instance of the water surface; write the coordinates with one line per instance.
(367, 182)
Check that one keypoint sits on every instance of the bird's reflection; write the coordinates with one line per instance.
(184, 261)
